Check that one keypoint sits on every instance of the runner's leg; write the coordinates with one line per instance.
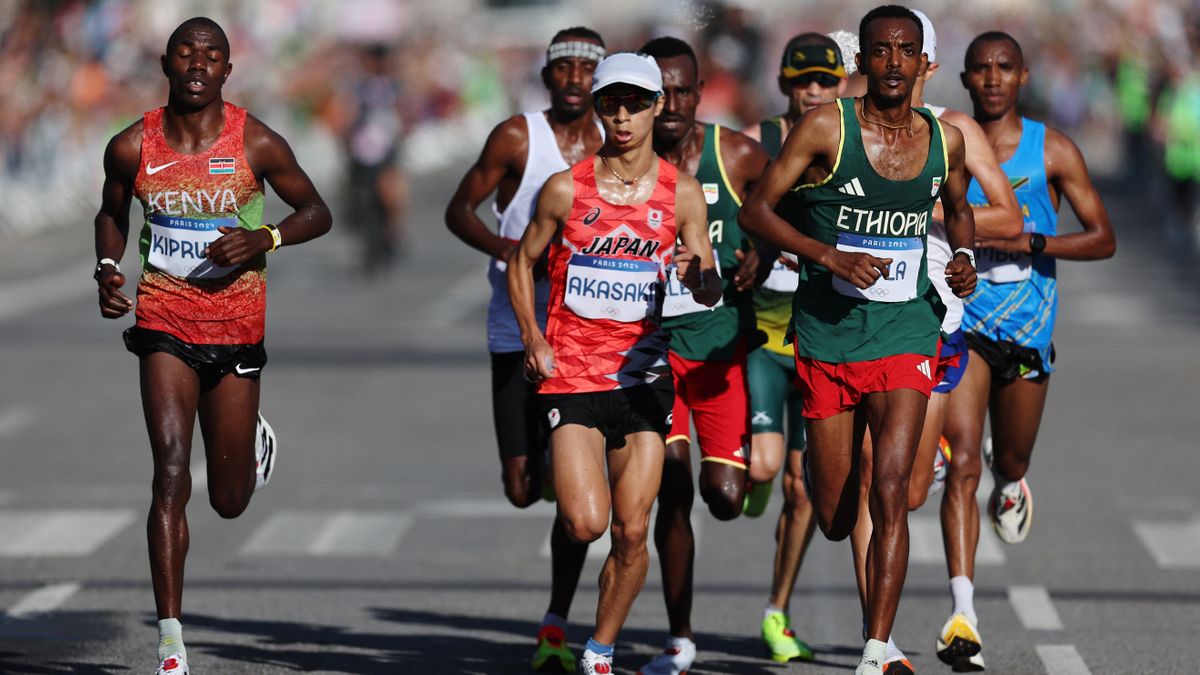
(1016, 408)
(965, 414)
(834, 448)
(673, 536)
(795, 531)
(228, 418)
(580, 482)
(927, 447)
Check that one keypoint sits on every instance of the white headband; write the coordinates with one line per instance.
(575, 49)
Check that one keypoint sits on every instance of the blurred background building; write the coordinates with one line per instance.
(351, 82)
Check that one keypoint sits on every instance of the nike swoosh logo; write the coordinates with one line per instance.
(247, 371)
(151, 169)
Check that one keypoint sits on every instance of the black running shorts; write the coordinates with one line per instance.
(1008, 360)
(211, 362)
(616, 413)
(521, 429)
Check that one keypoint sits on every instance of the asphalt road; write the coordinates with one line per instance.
(384, 544)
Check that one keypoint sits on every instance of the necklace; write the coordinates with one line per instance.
(626, 183)
(906, 125)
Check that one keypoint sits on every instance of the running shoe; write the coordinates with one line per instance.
(900, 666)
(757, 496)
(675, 659)
(781, 639)
(868, 667)
(592, 663)
(1012, 516)
(960, 646)
(552, 655)
(264, 452)
(941, 464)
(175, 664)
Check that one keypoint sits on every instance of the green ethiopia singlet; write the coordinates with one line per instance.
(857, 210)
(697, 332)
(773, 299)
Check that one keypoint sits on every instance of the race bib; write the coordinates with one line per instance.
(611, 288)
(178, 245)
(906, 254)
(783, 279)
(1001, 267)
(679, 300)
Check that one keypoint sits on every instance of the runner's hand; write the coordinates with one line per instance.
(113, 303)
(237, 245)
(1018, 245)
(860, 269)
(789, 262)
(960, 276)
(539, 361)
(747, 269)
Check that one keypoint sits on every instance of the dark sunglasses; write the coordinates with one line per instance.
(824, 79)
(608, 104)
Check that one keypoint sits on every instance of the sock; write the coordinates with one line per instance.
(893, 652)
(875, 651)
(170, 638)
(964, 597)
(598, 648)
(552, 619)
(771, 609)
(679, 642)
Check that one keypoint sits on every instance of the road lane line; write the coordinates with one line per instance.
(1172, 544)
(925, 543)
(492, 508)
(285, 533)
(14, 420)
(361, 533)
(1062, 660)
(60, 533)
(43, 600)
(43, 292)
(1034, 607)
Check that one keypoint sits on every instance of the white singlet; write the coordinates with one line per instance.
(939, 254)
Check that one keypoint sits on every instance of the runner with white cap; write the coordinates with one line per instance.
(601, 365)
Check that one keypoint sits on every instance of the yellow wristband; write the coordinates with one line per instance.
(276, 239)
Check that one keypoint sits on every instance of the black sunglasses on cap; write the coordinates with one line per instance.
(609, 104)
(824, 79)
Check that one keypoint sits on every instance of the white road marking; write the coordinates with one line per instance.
(14, 420)
(925, 542)
(329, 533)
(59, 533)
(492, 508)
(22, 297)
(1062, 660)
(470, 293)
(598, 550)
(43, 600)
(1172, 544)
(1034, 608)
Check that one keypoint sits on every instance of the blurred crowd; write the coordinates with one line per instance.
(416, 85)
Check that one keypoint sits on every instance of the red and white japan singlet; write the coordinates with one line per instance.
(186, 198)
(606, 288)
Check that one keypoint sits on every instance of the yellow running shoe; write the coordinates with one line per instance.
(552, 655)
(781, 639)
(757, 496)
(960, 646)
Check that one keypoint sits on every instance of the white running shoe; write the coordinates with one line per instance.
(175, 664)
(869, 666)
(959, 645)
(676, 658)
(264, 452)
(1012, 516)
(592, 663)
(941, 465)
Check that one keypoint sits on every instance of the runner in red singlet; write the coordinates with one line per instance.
(198, 167)
(602, 363)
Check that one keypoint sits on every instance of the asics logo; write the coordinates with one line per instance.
(591, 215)
(245, 371)
(151, 169)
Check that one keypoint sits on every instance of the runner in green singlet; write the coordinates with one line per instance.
(866, 319)
(811, 73)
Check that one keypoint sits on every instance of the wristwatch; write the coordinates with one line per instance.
(1037, 242)
(967, 252)
(100, 265)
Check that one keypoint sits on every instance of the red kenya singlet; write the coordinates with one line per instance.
(606, 288)
(186, 198)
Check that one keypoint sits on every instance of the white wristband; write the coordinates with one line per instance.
(970, 254)
(107, 261)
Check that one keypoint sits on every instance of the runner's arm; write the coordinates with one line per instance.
(273, 162)
(960, 221)
(744, 160)
(814, 138)
(694, 259)
(121, 159)
(553, 208)
(508, 140)
(1001, 218)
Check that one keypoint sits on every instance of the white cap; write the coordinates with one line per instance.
(638, 70)
(929, 46)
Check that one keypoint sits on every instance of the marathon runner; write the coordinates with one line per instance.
(866, 319)
(520, 154)
(198, 166)
(1000, 219)
(601, 366)
(812, 72)
(708, 345)
(1009, 323)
